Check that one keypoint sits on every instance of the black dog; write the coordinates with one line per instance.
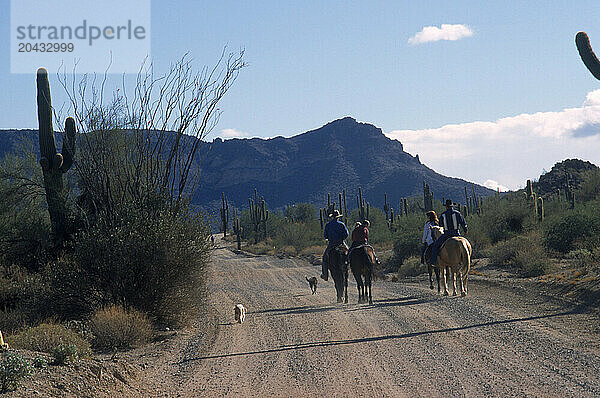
(312, 281)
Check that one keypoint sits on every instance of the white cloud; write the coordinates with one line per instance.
(511, 149)
(446, 32)
(491, 184)
(232, 133)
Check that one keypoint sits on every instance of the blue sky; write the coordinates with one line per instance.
(311, 62)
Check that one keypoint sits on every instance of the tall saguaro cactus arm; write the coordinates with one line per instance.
(53, 163)
(587, 54)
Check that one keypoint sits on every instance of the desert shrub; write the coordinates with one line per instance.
(40, 362)
(155, 265)
(300, 212)
(288, 251)
(65, 353)
(24, 220)
(47, 337)
(117, 327)
(590, 186)
(581, 258)
(524, 252)
(297, 235)
(13, 369)
(21, 295)
(262, 248)
(567, 231)
(408, 237)
(411, 267)
(478, 236)
(505, 218)
(532, 260)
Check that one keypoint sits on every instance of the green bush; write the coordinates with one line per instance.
(562, 232)
(524, 252)
(582, 258)
(40, 363)
(408, 237)
(13, 369)
(65, 353)
(47, 337)
(155, 265)
(117, 327)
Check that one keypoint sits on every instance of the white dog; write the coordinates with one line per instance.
(240, 313)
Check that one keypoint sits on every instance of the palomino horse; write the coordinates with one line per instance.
(361, 261)
(456, 254)
(339, 272)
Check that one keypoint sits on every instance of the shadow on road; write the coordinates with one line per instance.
(379, 338)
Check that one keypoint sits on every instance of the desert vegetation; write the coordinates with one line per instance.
(547, 226)
(99, 242)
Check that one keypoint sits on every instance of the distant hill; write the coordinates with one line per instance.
(343, 154)
(573, 169)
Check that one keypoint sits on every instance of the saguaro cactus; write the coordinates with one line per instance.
(363, 215)
(224, 214)
(53, 163)
(587, 54)
(427, 197)
(540, 209)
(237, 229)
(386, 206)
(259, 216)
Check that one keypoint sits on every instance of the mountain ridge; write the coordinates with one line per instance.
(342, 154)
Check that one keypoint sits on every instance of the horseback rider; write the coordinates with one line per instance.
(451, 220)
(360, 237)
(335, 233)
(427, 240)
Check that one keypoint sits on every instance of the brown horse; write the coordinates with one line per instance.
(456, 254)
(339, 272)
(431, 269)
(361, 261)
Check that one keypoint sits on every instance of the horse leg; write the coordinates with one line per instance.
(346, 286)
(430, 270)
(444, 281)
(368, 280)
(359, 283)
(437, 277)
(453, 276)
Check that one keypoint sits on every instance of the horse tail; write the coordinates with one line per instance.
(466, 259)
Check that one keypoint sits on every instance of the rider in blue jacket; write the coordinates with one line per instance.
(335, 233)
(451, 220)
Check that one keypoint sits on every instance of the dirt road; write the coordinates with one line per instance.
(501, 340)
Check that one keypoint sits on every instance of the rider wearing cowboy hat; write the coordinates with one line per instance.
(451, 220)
(335, 233)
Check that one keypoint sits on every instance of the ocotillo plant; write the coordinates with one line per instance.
(259, 216)
(587, 54)
(427, 197)
(53, 163)
(224, 214)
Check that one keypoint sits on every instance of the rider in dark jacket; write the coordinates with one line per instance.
(335, 233)
(451, 220)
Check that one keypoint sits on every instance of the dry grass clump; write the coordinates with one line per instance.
(115, 327)
(47, 337)
(411, 267)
